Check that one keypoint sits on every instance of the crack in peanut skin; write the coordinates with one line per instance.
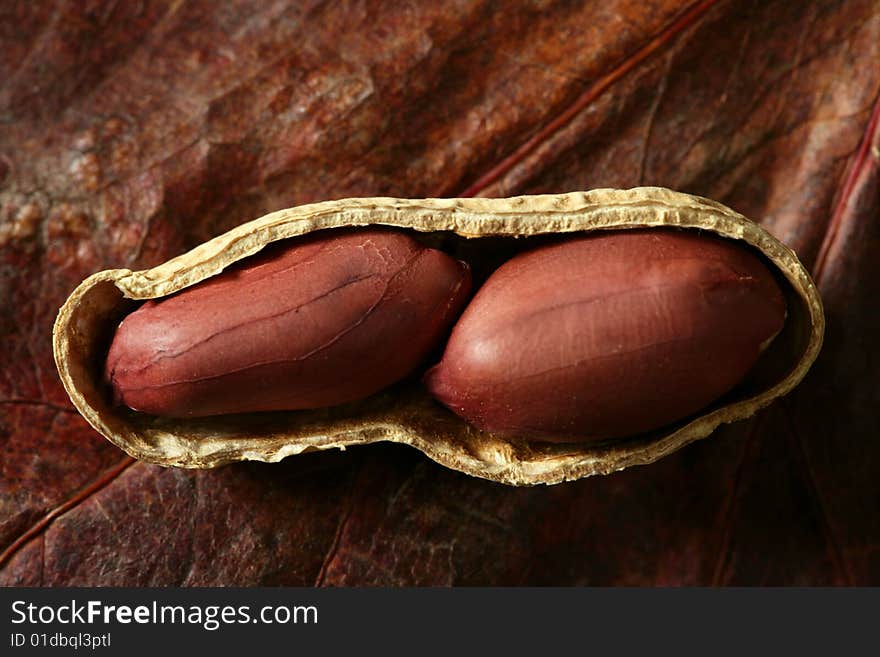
(608, 335)
(318, 322)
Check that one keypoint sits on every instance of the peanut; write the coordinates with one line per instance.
(609, 335)
(328, 319)
(485, 232)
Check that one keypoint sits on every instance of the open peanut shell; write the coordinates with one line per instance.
(482, 231)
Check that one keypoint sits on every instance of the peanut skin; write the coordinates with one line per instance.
(319, 321)
(608, 335)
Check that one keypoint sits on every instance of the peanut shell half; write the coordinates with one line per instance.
(478, 230)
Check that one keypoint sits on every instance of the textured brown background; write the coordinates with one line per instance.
(130, 131)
